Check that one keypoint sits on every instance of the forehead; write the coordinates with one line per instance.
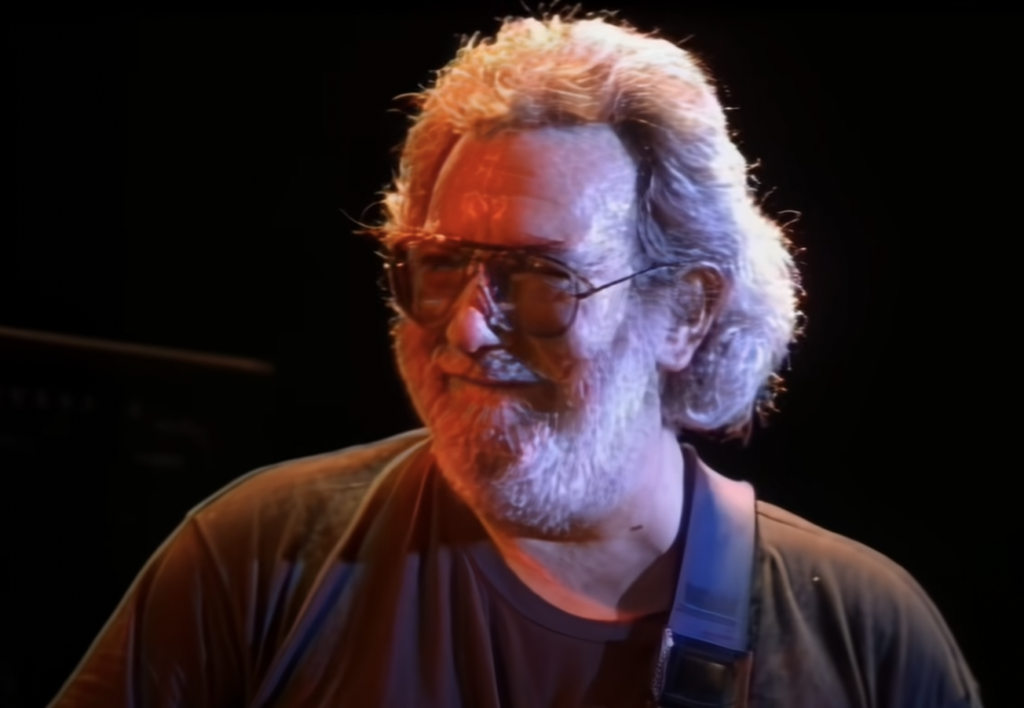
(559, 189)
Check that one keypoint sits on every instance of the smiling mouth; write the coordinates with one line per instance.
(491, 383)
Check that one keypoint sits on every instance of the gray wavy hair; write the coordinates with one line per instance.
(696, 206)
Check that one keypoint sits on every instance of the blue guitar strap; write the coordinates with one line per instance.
(705, 657)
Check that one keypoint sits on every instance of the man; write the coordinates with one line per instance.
(580, 275)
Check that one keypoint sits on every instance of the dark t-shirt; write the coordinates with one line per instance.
(283, 592)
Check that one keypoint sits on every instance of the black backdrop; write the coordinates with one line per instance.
(183, 180)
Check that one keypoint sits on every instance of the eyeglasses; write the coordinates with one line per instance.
(534, 295)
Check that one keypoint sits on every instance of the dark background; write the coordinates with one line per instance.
(182, 181)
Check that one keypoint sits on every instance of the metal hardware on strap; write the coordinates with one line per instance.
(701, 675)
(705, 659)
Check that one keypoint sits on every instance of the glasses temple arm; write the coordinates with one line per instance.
(623, 279)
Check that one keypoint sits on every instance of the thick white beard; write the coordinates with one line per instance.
(551, 474)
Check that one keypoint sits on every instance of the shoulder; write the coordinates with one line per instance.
(802, 550)
(304, 498)
(319, 479)
(292, 513)
(860, 615)
(827, 573)
(276, 531)
(225, 592)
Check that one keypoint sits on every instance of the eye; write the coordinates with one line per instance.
(540, 287)
(438, 260)
(547, 270)
(551, 274)
(441, 263)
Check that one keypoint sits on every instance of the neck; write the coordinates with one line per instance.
(623, 566)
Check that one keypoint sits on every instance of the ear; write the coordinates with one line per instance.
(695, 305)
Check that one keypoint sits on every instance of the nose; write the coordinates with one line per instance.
(468, 329)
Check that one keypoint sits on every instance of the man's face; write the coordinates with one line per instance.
(534, 431)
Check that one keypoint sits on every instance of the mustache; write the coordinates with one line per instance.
(496, 365)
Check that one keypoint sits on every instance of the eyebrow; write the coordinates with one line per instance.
(533, 248)
(558, 255)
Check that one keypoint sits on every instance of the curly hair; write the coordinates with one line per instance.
(695, 203)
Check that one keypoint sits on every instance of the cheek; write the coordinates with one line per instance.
(413, 353)
(601, 322)
(413, 350)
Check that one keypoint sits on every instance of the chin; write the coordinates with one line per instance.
(538, 473)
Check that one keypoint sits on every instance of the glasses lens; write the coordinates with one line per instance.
(543, 301)
(427, 279)
(537, 297)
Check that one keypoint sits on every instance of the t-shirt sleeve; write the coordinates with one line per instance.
(919, 664)
(842, 625)
(172, 642)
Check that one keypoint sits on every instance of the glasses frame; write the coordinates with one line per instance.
(392, 265)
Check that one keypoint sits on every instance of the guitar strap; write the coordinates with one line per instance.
(705, 656)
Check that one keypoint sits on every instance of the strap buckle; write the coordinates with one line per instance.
(696, 674)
